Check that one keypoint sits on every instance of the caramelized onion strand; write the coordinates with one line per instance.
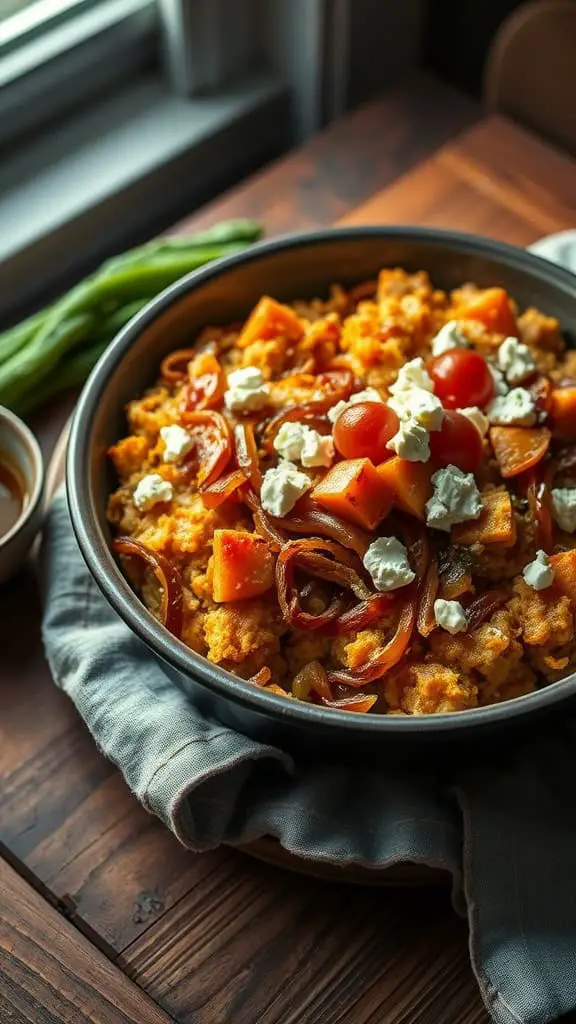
(425, 621)
(332, 387)
(264, 524)
(246, 451)
(363, 615)
(483, 607)
(171, 608)
(212, 449)
(308, 517)
(174, 366)
(359, 702)
(215, 494)
(388, 655)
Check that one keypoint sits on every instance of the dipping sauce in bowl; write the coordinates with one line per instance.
(21, 491)
(13, 496)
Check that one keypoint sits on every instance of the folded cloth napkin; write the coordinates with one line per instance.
(506, 833)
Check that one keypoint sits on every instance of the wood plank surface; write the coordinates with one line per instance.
(50, 973)
(319, 183)
(494, 179)
(220, 939)
(258, 945)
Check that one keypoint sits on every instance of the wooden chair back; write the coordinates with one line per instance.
(530, 72)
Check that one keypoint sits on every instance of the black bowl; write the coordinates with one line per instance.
(294, 266)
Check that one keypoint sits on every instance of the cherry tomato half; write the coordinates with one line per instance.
(363, 430)
(457, 443)
(461, 378)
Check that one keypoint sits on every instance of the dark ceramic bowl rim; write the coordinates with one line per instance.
(119, 594)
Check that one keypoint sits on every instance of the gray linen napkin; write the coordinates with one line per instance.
(505, 832)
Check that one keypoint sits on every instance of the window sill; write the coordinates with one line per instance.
(123, 170)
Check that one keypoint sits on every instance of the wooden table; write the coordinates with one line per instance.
(103, 916)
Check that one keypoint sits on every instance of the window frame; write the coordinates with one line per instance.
(53, 72)
(132, 120)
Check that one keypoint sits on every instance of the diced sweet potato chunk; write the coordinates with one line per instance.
(409, 484)
(492, 308)
(495, 524)
(270, 319)
(563, 413)
(564, 565)
(519, 448)
(354, 490)
(243, 565)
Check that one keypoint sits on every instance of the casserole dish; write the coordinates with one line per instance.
(303, 266)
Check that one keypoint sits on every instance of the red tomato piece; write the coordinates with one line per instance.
(363, 430)
(461, 378)
(457, 443)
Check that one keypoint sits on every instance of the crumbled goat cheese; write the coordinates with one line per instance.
(515, 360)
(517, 407)
(368, 395)
(450, 616)
(539, 574)
(317, 450)
(455, 499)
(500, 385)
(564, 507)
(477, 417)
(289, 441)
(411, 398)
(412, 375)
(177, 442)
(387, 562)
(247, 390)
(420, 406)
(281, 488)
(411, 442)
(449, 336)
(299, 443)
(151, 490)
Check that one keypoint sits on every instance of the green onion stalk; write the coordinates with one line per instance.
(55, 349)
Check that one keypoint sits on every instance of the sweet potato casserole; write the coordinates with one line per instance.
(367, 502)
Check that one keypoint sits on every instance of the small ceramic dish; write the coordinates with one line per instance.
(21, 491)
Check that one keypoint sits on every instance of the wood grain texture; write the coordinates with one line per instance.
(494, 179)
(65, 810)
(322, 181)
(262, 946)
(49, 973)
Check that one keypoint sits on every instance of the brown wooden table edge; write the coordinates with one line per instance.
(49, 967)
